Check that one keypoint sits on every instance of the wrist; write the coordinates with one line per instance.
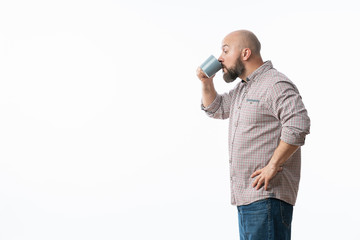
(208, 85)
(274, 164)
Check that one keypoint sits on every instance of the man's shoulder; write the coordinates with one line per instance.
(273, 78)
(274, 83)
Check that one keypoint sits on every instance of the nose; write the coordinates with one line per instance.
(221, 59)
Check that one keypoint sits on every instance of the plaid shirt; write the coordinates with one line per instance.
(261, 111)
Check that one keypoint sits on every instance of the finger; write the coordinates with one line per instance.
(266, 184)
(260, 183)
(255, 182)
(257, 172)
(200, 72)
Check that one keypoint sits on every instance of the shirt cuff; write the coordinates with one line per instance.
(292, 138)
(214, 106)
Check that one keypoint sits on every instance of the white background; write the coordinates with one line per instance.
(101, 132)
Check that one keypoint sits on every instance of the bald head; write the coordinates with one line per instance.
(240, 55)
(245, 39)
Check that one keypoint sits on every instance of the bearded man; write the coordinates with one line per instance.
(268, 123)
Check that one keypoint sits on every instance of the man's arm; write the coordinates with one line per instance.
(282, 153)
(286, 104)
(215, 105)
(208, 89)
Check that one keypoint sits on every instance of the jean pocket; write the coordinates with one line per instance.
(286, 211)
(255, 208)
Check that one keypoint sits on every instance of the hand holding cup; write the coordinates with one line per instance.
(207, 70)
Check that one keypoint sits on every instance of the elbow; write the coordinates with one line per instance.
(294, 136)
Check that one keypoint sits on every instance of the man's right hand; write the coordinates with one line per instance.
(202, 76)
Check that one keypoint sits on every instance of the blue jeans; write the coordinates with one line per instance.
(267, 219)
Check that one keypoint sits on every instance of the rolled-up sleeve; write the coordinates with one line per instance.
(287, 105)
(214, 106)
(220, 107)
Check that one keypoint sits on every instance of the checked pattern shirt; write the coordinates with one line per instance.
(262, 111)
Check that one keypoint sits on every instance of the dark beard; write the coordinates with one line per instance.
(233, 73)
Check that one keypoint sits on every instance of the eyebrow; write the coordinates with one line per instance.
(225, 45)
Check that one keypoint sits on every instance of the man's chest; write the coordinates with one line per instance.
(250, 106)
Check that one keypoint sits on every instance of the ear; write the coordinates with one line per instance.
(246, 53)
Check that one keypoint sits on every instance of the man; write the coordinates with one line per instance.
(267, 125)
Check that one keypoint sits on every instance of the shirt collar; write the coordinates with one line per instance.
(263, 68)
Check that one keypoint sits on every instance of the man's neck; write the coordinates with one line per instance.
(250, 69)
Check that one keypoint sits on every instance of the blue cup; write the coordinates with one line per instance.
(211, 66)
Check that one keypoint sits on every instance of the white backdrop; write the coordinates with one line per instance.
(101, 132)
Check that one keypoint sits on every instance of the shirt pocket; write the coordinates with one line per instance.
(253, 111)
